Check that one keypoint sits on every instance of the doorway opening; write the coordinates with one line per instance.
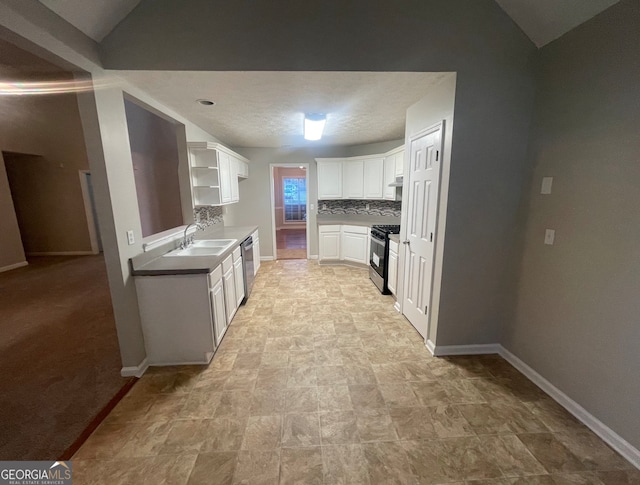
(289, 211)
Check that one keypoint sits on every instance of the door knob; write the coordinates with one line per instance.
(406, 242)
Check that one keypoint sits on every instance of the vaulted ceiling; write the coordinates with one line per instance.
(542, 20)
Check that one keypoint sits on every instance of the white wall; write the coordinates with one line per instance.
(577, 319)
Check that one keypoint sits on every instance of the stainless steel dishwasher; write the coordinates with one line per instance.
(247, 264)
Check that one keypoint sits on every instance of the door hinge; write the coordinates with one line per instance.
(431, 237)
(425, 309)
(437, 154)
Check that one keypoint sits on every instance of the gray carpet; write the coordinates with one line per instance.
(59, 356)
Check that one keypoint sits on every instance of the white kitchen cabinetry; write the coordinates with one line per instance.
(392, 268)
(216, 294)
(344, 243)
(183, 316)
(329, 242)
(214, 172)
(373, 178)
(238, 273)
(229, 280)
(365, 177)
(329, 179)
(256, 252)
(354, 243)
(353, 179)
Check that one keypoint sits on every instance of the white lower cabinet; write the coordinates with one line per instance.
(344, 243)
(392, 267)
(238, 273)
(216, 295)
(354, 243)
(229, 279)
(329, 242)
(256, 252)
(183, 316)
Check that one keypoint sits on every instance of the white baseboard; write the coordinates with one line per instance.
(13, 266)
(441, 350)
(313, 256)
(62, 253)
(136, 370)
(266, 258)
(594, 424)
(613, 439)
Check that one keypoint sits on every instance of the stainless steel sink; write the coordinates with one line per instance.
(204, 247)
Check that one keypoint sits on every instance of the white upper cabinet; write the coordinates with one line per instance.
(373, 178)
(366, 177)
(330, 179)
(353, 179)
(214, 173)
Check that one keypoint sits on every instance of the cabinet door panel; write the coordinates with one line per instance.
(231, 304)
(234, 166)
(218, 311)
(224, 166)
(354, 247)
(239, 280)
(353, 179)
(330, 180)
(393, 271)
(329, 245)
(373, 178)
(389, 177)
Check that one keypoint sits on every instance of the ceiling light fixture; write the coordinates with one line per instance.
(313, 126)
(205, 102)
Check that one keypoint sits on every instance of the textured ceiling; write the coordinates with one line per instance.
(96, 18)
(546, 20)
(266, 109)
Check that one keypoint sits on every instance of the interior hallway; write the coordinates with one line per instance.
(59, 356)
(291, 243)
(319, 380)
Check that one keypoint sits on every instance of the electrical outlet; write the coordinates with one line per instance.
(546, 185)
(324, 206)
(130, 237)
(366, 207)
(549, 236)
(311, 206)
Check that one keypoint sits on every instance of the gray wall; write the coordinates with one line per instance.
(11, 250)
(577, 320)
(154, 152)
(494, 99)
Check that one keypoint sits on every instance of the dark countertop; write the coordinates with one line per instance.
(154, 264)
(355, 219)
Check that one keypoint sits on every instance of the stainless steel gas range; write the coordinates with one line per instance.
(378, 255)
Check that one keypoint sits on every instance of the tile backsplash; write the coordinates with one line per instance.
(208, 216)
(376, 207)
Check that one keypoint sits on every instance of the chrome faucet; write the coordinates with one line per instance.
(186, 242)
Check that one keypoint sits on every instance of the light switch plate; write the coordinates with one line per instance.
(130, 237)
(549, 236)
(546, 185)
(311, 206)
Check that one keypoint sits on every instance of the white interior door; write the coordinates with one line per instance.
(423, 188)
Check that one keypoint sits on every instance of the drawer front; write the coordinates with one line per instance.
(227, 264)
(237, 254)
(330, 228)
(356, 229)
(215, 276)
(393, 246)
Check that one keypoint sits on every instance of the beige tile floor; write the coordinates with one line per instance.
(320, 381)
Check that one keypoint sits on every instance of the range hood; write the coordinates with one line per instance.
(397, 183)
